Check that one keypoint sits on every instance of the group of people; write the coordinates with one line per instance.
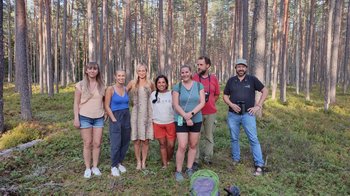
(186, 113)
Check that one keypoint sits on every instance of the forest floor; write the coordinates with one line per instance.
(307, 152)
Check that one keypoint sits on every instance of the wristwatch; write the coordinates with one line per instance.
(192, 113)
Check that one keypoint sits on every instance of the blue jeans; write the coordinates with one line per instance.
(249, 124)
(119, 133)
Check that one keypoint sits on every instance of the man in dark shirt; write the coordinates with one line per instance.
(239, 95)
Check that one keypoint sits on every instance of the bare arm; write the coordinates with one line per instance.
(258, 106)
(129, 86)
(108, 97)
(176, 105)
(77, 96)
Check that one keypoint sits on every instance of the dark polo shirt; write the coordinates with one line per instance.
(243, 90)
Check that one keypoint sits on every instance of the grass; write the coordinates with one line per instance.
(307, 152)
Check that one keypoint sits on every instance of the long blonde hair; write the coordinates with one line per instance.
(86, 81)
(135, 84)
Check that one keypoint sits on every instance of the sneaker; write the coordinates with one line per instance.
(96, 171)
(115, 171)
(179, 177)
(121, 168)
(189, 172)
(258, 171)
(87, 173)
(195, 166)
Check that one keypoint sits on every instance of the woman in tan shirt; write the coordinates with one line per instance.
(89, 115)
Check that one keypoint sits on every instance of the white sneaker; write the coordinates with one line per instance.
(96, 171)
(121, 168)
(115, 171)
(87, 173)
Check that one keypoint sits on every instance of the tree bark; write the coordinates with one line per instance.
(309, 53)
(48, 49)
(335, 49)
(161, 56)
(347, 53)
(329, 54)
(63, 50)
(56, 46)
(9, 43)
(204, 13)
(127, 39)
(21, 59)
(91, 14)
(169, 42)
(283, 83)
(245, 25)
(2, 68)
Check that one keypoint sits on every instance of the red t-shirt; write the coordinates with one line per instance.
(209, 107)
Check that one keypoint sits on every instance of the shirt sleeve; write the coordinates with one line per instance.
(257, 84)
(201, 87)
(176, 87)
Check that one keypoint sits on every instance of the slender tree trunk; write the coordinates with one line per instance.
(48, 49)
(127, 39)
(2, 67)
(169, 44)
(309, 53)
(347, 53)
(161, 56)
(9, 43)
(204, 13)
(276, 48)
(104, 41)
(117, 37)
(56, 46)
(21, 59)
(283, 83)
(297, 52)
(335, 49)
(91, 14)
(41, 43)
(329, 55)
(63, 50)
(245, 25)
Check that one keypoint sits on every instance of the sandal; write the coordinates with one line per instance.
(258, 171)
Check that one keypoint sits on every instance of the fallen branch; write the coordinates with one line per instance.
(20, 147)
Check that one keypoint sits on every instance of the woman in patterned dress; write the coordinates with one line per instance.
(141, 116)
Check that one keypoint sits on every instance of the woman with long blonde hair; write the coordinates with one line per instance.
(89, 115)
(141, 116)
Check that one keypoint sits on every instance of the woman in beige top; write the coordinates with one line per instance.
(141, 115)
(89, 115)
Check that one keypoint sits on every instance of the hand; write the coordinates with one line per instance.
(189, 122)
(236, 108)
(187, 116)
(113, 120)
(76, 123)
(254, 110)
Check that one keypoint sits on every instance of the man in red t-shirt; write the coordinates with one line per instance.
(212, 92)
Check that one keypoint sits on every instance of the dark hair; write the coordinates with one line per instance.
(157, 90)
(206, 59)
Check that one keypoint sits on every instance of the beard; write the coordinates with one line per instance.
(241, 73)
(201, 72)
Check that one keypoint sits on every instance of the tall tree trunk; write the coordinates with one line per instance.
(9, 43)
(91, 14)
(63, 50)
(127, 39)
(283, 83)
(48, 49)
(204, 13)
(245, 25)
(297, 52)
(105, 48)
(347, 53)
(117, 37)
(310, 46)
(21, 59)
(2, 68)
(161, 56)
(329, 54)
(56, 46)
(169, 44)
(277, 29)
(335, 48)
(41, 50)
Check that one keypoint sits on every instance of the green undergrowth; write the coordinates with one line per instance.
(307, 152)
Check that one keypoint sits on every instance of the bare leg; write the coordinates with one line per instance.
(192, 148)
(144, 152)
(96, 145)
(170, 149)
(163, 150)
(182, 139)
(137, 144)
(86, 135)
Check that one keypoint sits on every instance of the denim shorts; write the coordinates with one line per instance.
(86, 122)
